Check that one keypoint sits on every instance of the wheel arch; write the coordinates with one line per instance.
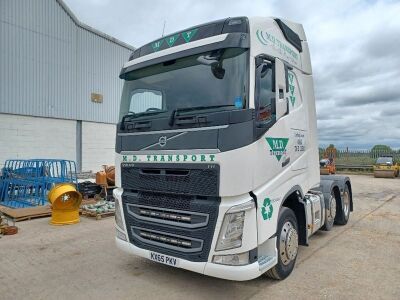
(341, 182)
(293, 200)
(348, 183)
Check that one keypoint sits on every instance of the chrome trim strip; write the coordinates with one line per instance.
(173, 152)
(165, 245)
(242, 207)
(168, 222)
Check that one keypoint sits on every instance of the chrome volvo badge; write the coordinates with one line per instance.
(162, 141)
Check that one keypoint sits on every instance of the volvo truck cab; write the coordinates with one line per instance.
(217, 152)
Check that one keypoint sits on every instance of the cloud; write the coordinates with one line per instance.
(390, 113)
(354, 47)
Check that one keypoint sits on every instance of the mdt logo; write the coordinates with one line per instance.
(278, 146)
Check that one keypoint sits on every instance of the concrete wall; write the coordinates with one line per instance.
(36, 137)
(98, 145)
(32, 137)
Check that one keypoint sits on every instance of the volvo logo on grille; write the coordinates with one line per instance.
(162, 141)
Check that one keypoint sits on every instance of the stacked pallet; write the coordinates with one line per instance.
(99, 210)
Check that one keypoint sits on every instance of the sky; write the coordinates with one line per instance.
(354, 45)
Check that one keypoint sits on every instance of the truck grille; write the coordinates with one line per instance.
(187, 179)
(173, 224)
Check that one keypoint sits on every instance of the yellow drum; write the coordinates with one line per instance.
(385, 167)
(65, 201)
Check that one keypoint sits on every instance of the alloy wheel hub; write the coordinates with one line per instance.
(289, 243)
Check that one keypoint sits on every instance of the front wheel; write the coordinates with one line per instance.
(287, 244)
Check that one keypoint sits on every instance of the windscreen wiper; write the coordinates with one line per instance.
(176, 111)
(131, 115)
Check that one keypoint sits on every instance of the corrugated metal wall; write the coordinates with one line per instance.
(49, 66)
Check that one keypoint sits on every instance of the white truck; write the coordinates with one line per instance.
(217, 151)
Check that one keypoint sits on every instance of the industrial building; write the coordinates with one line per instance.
(59, 85)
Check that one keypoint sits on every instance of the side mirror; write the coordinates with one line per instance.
(218, 71)
(280, 89)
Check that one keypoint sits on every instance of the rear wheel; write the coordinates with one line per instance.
(330, 213)
(343, 213)
(287, 245)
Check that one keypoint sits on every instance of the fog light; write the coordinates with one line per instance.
(240, 259)
(120, 235)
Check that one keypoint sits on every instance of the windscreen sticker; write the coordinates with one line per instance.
(278, 147)
(169, 158)
(291, 88)
(238, 102)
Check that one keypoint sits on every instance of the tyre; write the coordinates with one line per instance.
(343, 211)
(287, 244)
(330, 212)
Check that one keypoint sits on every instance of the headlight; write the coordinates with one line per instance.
(232, 259)
(230, 235)
(118, 216)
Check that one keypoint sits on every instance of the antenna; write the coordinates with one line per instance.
(163, 29)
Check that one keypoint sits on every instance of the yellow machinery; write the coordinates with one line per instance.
(328, 163)
(385, 167)
(106, 179)
(65, 201)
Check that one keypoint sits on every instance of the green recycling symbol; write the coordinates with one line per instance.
(267, 209)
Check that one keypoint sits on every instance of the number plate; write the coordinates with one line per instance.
(164, 259)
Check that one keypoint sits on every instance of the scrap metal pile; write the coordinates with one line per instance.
(89, 189)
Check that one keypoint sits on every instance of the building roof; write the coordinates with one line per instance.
(91, 29)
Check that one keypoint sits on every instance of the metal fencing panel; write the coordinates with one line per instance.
(26, 183)
(361, 157)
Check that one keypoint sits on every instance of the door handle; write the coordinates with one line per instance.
(281, 94)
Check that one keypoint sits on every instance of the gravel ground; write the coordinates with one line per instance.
(356, 261)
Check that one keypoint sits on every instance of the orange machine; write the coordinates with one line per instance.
(328, 163)
(106, 179)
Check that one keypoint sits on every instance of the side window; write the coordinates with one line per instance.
(144, 100)
(266, 95)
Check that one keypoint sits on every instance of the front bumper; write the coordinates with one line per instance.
(266, 251)
(237, 273)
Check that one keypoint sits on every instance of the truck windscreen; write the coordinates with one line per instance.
(212, 79)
